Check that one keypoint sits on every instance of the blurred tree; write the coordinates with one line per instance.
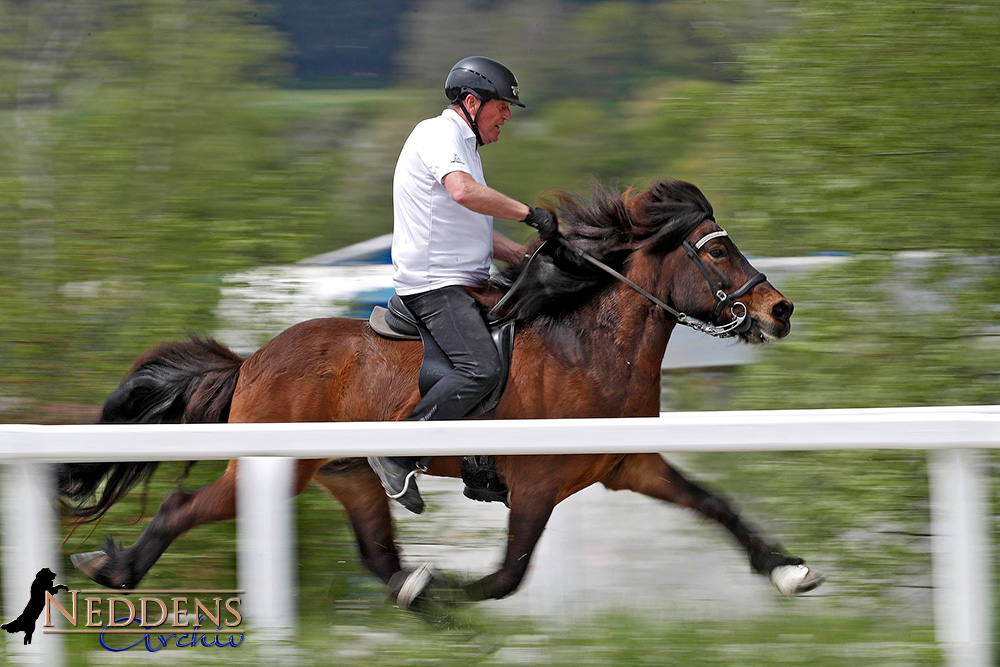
(870, 128)
(437, 33)
(598, 51)
(337, 42)
(136, 174)
(877, 110)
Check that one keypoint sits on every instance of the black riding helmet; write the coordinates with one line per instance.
(485, 78)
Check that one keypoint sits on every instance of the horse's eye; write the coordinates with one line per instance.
(717, 253)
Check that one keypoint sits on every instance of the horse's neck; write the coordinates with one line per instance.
(620, 338)
(637, 329)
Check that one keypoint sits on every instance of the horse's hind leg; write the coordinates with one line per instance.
(118, 567)
(650, 475)
(123, 568)
(353, 483)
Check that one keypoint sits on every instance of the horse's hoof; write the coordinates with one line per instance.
(791, 580)
(90, 563)
(415, 583)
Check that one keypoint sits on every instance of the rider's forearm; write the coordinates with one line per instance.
(483, 199)
(506, 250)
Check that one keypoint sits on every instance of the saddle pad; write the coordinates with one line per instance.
(379, 322)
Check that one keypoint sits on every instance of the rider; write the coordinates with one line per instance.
(443, 240)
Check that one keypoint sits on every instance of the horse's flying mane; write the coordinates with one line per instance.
(610, 227)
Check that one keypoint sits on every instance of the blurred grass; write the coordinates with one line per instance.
(391, 637)
(631, 640)
(844, 524)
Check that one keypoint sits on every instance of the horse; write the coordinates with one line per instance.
(595, 313)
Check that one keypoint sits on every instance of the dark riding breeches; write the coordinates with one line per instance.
(455, 321)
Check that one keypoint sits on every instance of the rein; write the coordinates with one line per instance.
(494, 314)
(741, 320)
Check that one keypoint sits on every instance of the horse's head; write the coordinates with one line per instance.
(667, 243)
(714, 282)
(701, 272)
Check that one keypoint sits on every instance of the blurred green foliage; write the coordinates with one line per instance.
(876, 123)
(386, 637)
(148, 152)
(868, 128)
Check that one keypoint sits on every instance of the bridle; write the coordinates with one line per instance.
(741, 319)
(720, 294)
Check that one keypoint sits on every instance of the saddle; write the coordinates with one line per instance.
(398, 323)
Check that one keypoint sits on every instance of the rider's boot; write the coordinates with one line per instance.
(482, 481)
(399, 479)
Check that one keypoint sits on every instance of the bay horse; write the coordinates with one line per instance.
(591, 338)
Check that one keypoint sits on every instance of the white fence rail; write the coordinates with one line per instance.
(963, 592)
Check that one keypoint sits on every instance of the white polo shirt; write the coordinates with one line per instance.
(437, 242)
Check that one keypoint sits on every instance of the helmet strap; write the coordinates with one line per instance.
(473, 122)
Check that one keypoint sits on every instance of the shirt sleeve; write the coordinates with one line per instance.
(442, 153)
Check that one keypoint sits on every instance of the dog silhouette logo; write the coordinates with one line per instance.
(36, 603)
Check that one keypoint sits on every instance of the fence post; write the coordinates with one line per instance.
(265, 532)
(27, 502)
(963, 592)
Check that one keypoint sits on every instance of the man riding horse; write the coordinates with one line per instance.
(443, 241)
(596, 312)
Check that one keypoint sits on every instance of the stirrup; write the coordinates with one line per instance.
(406, 482)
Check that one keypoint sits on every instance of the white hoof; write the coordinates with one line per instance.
(414, 585)
(89, 563)
(791, 580)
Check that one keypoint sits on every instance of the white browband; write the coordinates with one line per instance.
(708, 237)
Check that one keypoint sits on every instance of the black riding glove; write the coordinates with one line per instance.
(542, 220)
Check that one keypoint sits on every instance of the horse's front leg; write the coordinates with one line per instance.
(530, 511)
(124, 567)
(651, 475)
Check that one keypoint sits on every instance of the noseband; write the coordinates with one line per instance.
(741, 319)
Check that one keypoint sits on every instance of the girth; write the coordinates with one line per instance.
(399, 323)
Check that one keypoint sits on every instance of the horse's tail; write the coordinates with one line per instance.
(191, 381)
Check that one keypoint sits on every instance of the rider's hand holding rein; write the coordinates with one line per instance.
(544, 221)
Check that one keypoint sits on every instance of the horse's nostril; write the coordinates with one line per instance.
(782, 311)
